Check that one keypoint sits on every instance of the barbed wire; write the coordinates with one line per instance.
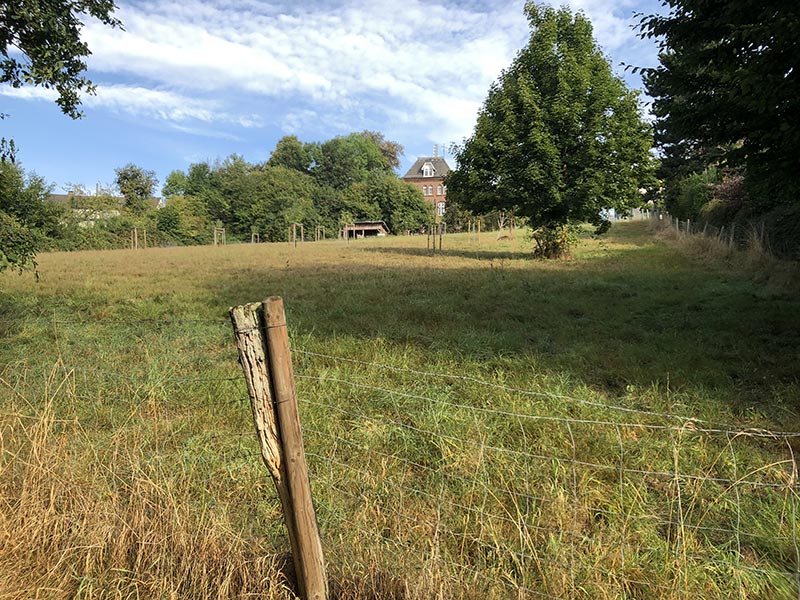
(680, 516)
(570, 461)
(723, 428)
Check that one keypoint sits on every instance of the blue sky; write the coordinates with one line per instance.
(199, 80)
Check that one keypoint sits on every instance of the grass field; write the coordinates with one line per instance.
(478, 424)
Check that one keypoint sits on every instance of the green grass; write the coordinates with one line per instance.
(127, 447)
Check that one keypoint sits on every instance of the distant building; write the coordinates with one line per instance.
(90, 209)
(428, 173)
(361, 229)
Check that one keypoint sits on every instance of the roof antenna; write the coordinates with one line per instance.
(435, 150)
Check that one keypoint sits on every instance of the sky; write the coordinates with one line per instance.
(190, 80)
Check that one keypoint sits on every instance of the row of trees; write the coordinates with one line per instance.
(327, 184)
(559, 140)
(727, 105)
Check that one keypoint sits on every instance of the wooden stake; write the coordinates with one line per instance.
(307, 548)
(263, 344)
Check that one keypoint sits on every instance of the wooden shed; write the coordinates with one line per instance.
(362, 229)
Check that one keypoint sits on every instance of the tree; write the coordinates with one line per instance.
(175, 184)
(392, 151)
(40, 45)
(559, 139)
(27, 217)
(401, 204)
(136, 185)
(343, 161)
(47, 34)
(727, 91)
(185, 220)
(280, 197)
(291, 153)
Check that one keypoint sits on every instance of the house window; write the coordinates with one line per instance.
(427, 170)
(439, 190)
(440, 209)
(424, 190)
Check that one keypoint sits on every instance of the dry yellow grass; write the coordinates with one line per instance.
(129, 469)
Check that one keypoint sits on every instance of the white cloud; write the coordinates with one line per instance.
(424, 61)
(144, 102)
(423, 66)
(28, 93)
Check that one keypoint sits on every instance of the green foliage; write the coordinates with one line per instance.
(185, 220)
(343, 161)
(728, 90)
(28, 218)
(392, 151)
(291, 153)
(281, 196)
(137, 186)
(554, 242)
(47, 34)
(18, 244)
(232, 193)
(693, 194)
(559, 138)
(175, 184)
(400, 204)
(201, 182)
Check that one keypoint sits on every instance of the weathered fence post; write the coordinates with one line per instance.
(263, 344)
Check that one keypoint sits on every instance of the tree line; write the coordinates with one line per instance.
(727, 106)
(559, 141)
(326, 184)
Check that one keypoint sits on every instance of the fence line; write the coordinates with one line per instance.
(495, 493)
(688, 421)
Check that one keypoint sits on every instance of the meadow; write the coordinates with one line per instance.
(478, 424)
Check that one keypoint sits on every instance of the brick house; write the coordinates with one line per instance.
(427, 173)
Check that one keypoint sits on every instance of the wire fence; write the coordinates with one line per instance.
(734, 236)
(502, 491)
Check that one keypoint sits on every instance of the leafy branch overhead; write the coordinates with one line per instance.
(40, 45)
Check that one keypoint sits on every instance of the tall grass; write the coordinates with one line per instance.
(753, 255)
(129, 468)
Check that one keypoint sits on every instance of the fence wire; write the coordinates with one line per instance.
(500, 491)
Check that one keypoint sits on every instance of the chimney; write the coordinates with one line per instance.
(435, 150)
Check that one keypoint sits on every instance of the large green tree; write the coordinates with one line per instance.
(727, 91)
(27, 217)
(560, 138)
(137, 186)
(343, 161)
(291, 153)
(280, 196)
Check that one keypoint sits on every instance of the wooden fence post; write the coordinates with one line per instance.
(263, 344)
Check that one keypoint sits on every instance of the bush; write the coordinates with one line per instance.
(730, 202)
(692, 194)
